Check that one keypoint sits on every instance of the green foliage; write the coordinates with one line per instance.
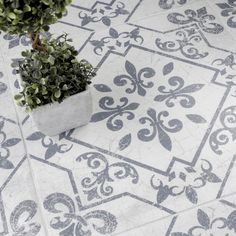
(27, 16)
(52, 74)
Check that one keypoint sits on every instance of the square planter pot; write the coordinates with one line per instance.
(55, 118)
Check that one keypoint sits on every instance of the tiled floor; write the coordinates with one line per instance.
(158, 157)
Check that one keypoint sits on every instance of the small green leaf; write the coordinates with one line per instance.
(50, 49)
(46, 28)
(68, 2)
(17, 11)
(51, 60)
(29, 100)
(27, 110)
(27, 8)
(46, 2)
(43, 81)
(74, 61)
(36, 74)
(36, 90)
(65, 87)
(25, 54)
(53, 70)
(20, 103)
(57, 93)
(44, 91)
(12, 15)
(18, 96)
(38, 100)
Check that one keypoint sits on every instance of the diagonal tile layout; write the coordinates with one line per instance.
(158, 156)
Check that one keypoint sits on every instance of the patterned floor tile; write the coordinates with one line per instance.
(83, 213)
(217, 218)
(20, 211)
(12, 147)
(158, 156)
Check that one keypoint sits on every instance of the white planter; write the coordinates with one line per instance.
(55, 118)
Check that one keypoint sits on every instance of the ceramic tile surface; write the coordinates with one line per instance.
(158, 156)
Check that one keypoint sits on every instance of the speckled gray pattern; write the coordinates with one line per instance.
(158, 156)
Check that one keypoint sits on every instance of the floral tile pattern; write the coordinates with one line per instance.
(158, 156)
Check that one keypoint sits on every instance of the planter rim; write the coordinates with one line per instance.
(87, 90)
(57, 103)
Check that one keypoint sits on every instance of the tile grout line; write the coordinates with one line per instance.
(178, 213)
(27, 154)
(220, 19)
(175, 216)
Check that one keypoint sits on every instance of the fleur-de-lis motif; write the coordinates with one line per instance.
(156, 122)
(229, 61)
(69, 222)
(179, 92)
(185, 44)
(14, 40)
(49, 144)
(103, 14)
(168, 4)
(200, 16)
(103, 174)
(222, 136)
(229, 10)
(135, 78)
(22, 225)
(211, 225)
(113, 112)
(187, 182)
(116, 40)
(5, 144)
(15, 65)
(228, 67)
(3, 86)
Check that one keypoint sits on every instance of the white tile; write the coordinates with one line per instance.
(159, 153)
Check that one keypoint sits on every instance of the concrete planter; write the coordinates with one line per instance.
(55, 118)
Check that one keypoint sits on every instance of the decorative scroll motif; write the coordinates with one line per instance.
(5, 145)
(103, 14)
(224, 135)
(228, 66)
(200, 16)
(21, 219)
(112, 113)
(116, 40)
(156, 127)
(98, 184)
(15, 40)
(211, 225)
(51, 147)
(168, 4)
(69, 222)
(185, 183)
(229, 11)
(186, 43)
(229, 61)
(3, 86)
(179, 92)
(136, 79)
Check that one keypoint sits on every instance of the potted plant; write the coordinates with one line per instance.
(30, 17)
(55, 86)
(54, 83)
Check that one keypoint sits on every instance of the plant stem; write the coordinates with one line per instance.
(36, 42)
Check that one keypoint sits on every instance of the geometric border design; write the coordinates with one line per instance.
(69, 136)
(175, 159)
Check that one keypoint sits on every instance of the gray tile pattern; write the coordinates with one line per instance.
(158, 157)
